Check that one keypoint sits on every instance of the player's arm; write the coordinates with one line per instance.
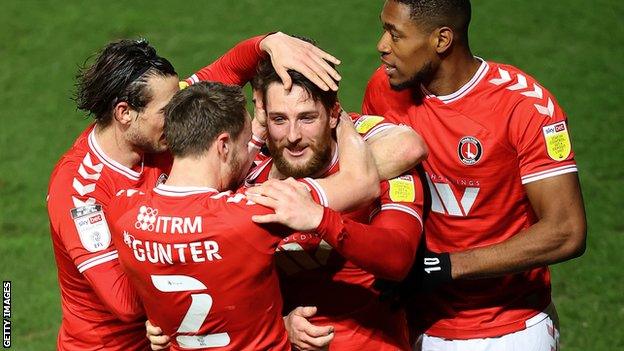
(238, 65)
(549, 174)
(357, 182)
(386, 247)
(559, 235)
(97, 263)
(395, 148)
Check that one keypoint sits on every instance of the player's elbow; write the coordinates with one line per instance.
(417, 150)
(128, 314)
(575, 234)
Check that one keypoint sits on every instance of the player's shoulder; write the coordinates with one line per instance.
(514, 89)
(79, 175)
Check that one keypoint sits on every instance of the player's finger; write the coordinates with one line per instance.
(328, 70)
(266, 191)
(312, 75)
(324, 55)
(285, 77)
(159, 342)
(267, 218)
(314, 64)
(152, 329)
(318, 342)
(318, 331)
(264, 201)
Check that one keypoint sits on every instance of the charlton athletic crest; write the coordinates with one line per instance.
(469, 150)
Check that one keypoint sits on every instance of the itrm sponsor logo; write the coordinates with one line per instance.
(6, 314)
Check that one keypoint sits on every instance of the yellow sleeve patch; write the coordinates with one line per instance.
(183, 84)
(402, 189)
(366, 123)
(557, 141)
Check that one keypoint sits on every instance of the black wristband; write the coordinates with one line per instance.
(436, 269)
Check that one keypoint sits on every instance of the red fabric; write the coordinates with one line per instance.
(236, 67)
(313, 273)
(217, 245)
(480, 203)
(395, 229)
(100, 308)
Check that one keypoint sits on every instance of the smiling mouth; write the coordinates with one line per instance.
(296, 152)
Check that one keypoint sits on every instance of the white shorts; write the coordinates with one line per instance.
(541, 334)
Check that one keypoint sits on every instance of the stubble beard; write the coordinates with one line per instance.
(418, 79)
(320, 158)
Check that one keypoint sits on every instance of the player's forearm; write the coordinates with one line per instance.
(397, 150)
(237, 66)
(542, 244)
(385, 252)
(357, 182)
(114, 289)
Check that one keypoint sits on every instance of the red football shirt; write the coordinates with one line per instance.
(100, 309)
(204, 270)
(81, 186)
(501, 130)
(312, 273)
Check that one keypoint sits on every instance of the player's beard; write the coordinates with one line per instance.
(418, 79)
(237, 173)
(321, 156)
(146, 145)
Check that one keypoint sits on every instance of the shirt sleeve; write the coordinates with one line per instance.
(387, 246)
(370, 125)
(539, 132)
(78, 213)
(236, 67)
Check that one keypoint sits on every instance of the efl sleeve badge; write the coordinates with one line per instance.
(366, 123)
(557, 141)
(402, 189)
(92, 227)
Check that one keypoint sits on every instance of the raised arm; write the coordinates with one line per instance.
(238, 65)
(357, 182)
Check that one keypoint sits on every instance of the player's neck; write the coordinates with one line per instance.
(453, 73)
(195, 172)
(115, 146)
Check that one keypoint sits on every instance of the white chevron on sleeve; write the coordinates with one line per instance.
(87, 162)
(80, 203)
(548, 110)
(83, 189)
(83, 172)
(522, 83)
(505, 77)
(535, 93)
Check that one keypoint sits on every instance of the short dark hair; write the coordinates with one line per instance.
(119, 73)
(454, 14)
(196, 115)
(267, 75)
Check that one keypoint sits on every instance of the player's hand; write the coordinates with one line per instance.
(435, 269)
(291, 53)
(291, 201)
(259, 122)
(303, 335)
(345, 129)
(158, 340)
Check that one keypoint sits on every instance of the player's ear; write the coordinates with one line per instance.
(123, 113)
(442, 38)
(334, 115)
(223, 145)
